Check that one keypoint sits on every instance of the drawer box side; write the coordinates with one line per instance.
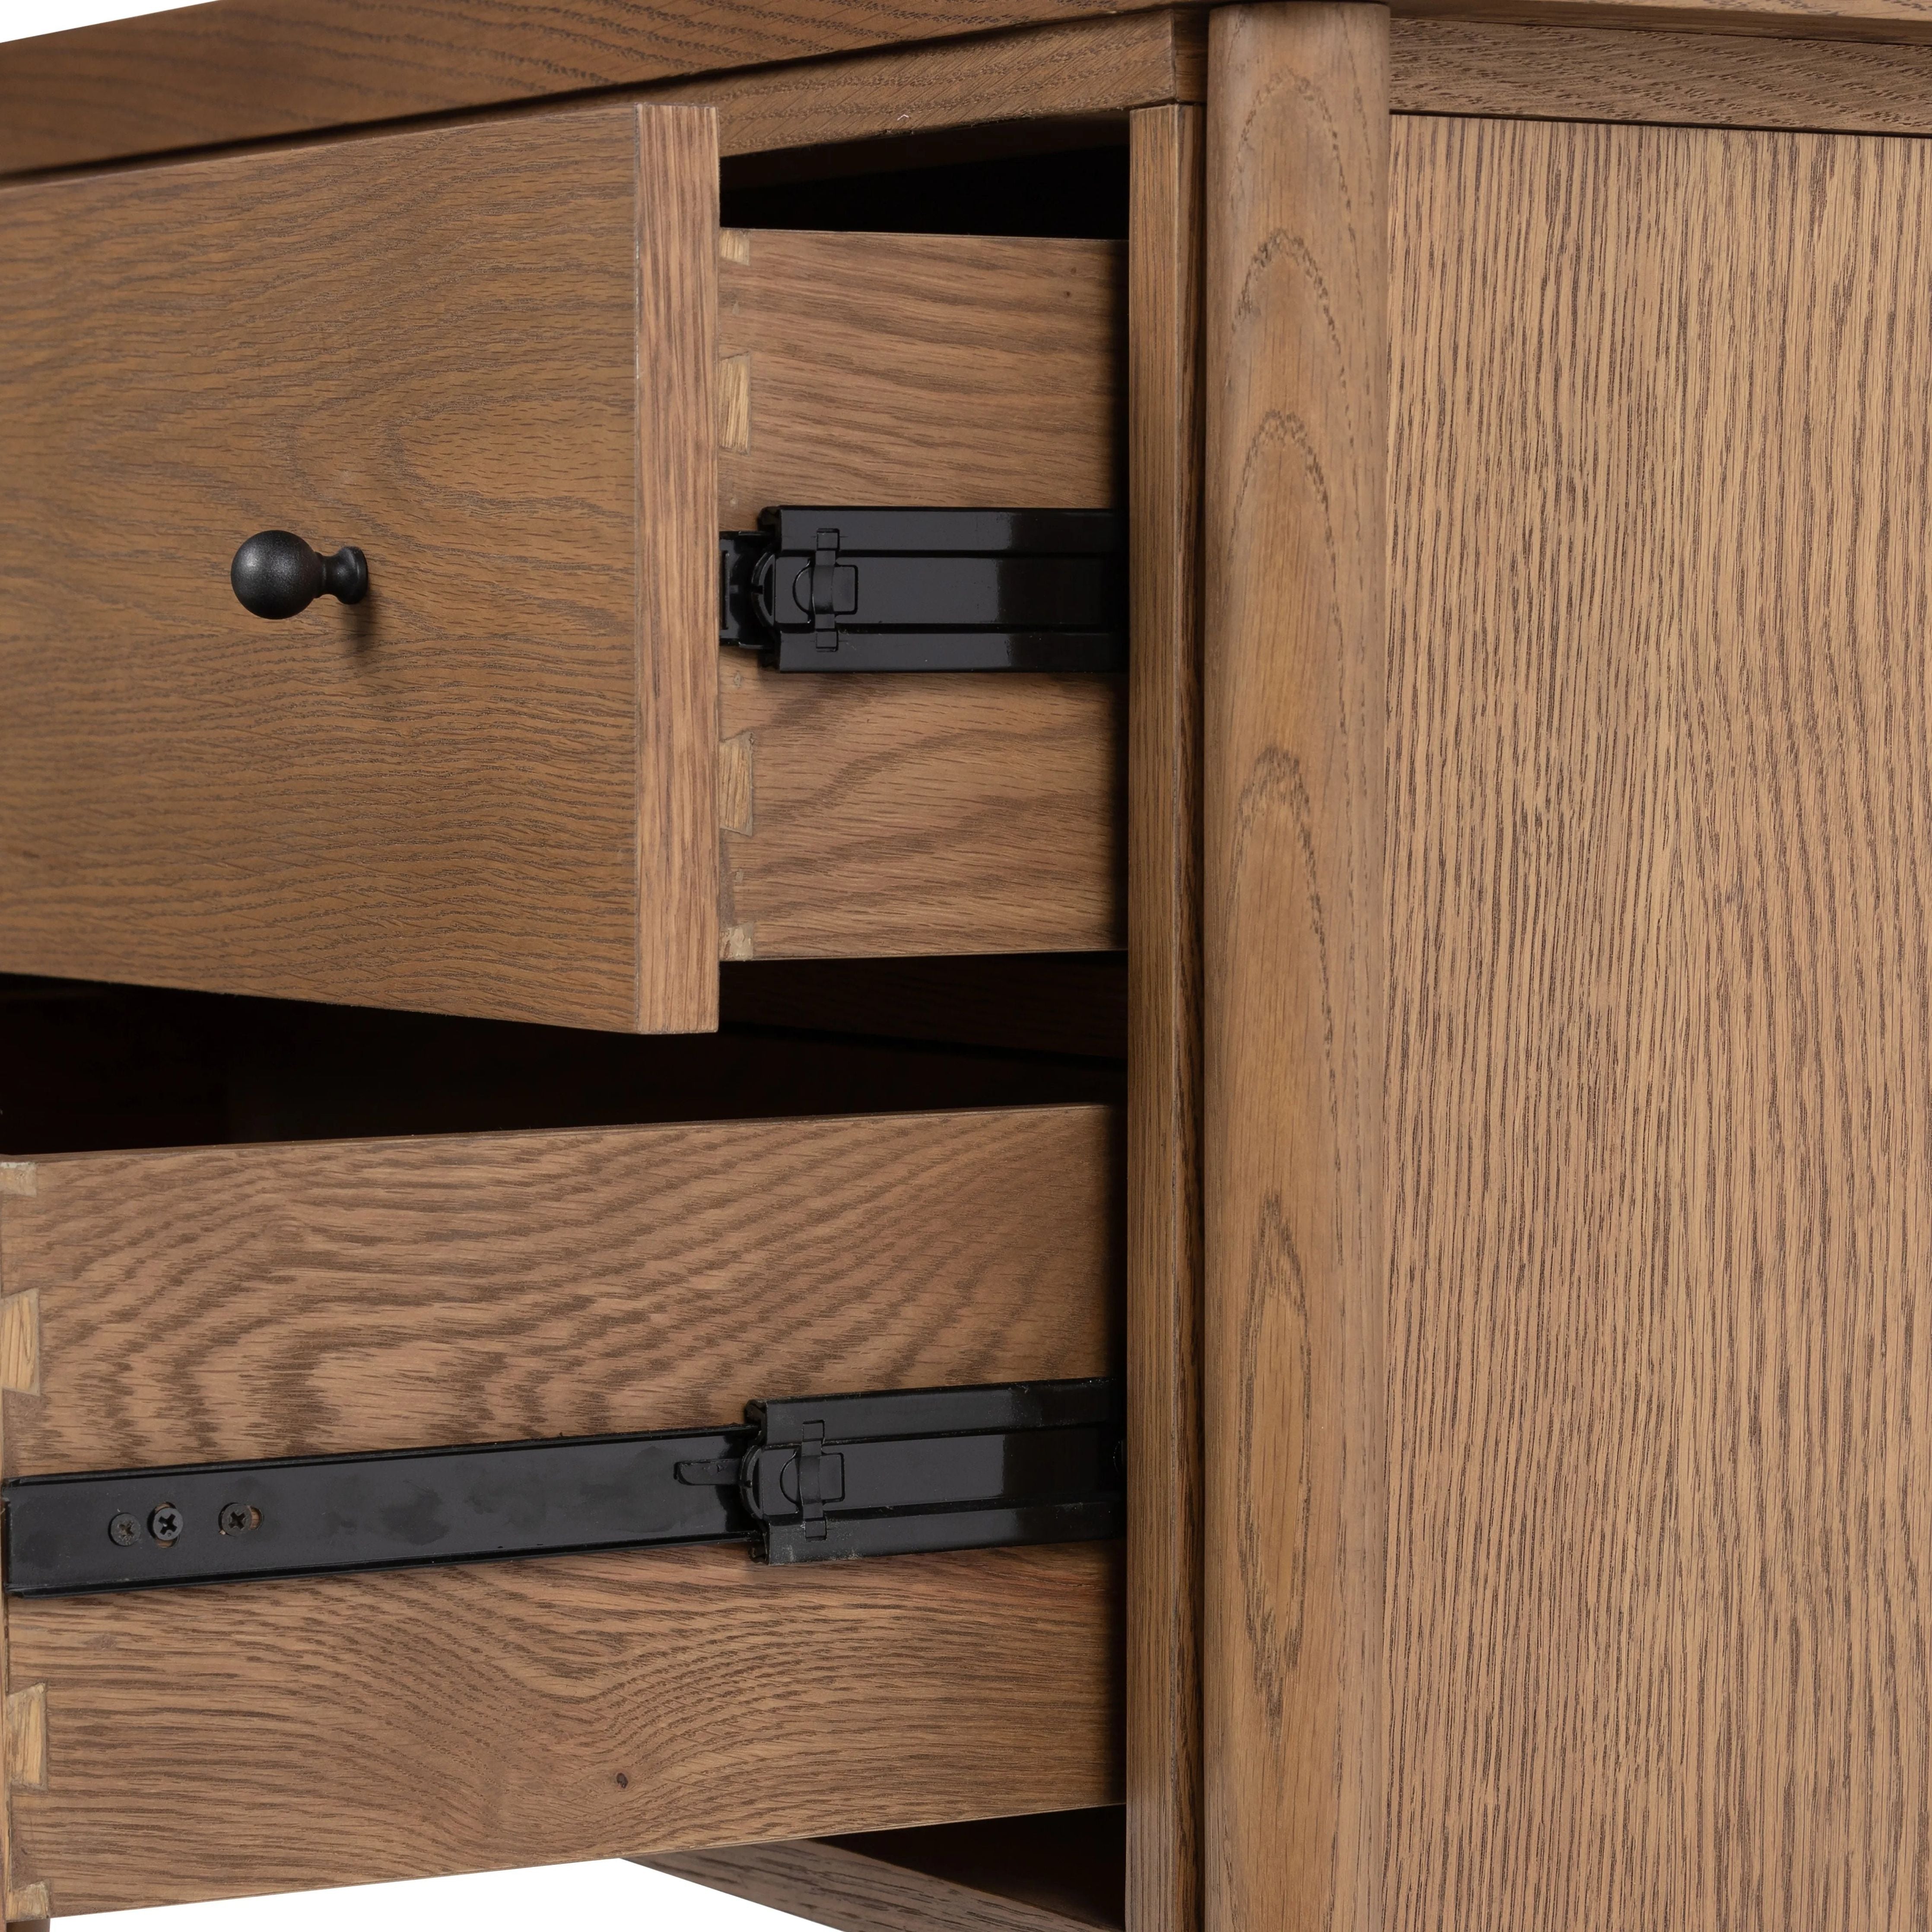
(512, 1714)
(331, 1298)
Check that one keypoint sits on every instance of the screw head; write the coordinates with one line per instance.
(165, 1525)
(123, 1530)
(238, 1519)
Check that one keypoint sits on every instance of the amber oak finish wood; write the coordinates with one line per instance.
(1071, 69)
(225, 72)
(1588, 74)
(328, 1296)
(920, 814)
(1164, 1046)
(1886, 20)
(231, 1303)
(1658, 1092)
(1536, 1032)
(437, 838)
(1805, 775)
(960, 370)
(675, 485)
(24, 1901)
(1296, 332)
(248, 70)
(486, 789)
(484, 1716)
(1055, 1872)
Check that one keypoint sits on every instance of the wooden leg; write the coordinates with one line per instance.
(1164, 1043)
(1296, 641)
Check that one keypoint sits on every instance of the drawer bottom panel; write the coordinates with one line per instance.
(179, 1744)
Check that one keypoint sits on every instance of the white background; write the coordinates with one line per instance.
(601, 1897)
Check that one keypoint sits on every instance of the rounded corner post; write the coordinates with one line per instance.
(1295, 554)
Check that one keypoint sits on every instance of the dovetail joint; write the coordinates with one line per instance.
(27, 1739)
(734, 783)
(20, 1342)
(734, 403)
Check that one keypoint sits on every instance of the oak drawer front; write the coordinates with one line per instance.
(483, 355)
(232, 1303)
(521, 367)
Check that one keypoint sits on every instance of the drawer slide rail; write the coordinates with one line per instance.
(801, 1481)
(894, 590)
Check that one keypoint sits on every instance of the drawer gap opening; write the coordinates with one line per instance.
(85, 1067)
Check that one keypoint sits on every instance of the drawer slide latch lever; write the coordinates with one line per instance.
(885, 589)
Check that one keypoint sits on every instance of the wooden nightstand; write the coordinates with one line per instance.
(1507, 1227)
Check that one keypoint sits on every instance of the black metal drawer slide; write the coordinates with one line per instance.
(903, 589)
(800, 1480)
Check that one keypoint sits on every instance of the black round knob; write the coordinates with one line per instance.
(276, 574)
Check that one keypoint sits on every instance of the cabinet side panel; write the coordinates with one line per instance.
(1659, 1098)
(1804, 710)
(1536, 1044)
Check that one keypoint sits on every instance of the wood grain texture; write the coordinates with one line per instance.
(20, 1906)
(239, 1302)
(1070, 69)
(1906, 21)
(1053, 1872)
(1701, 80)
(1536, 1034)
(965, 370)
(26, 1726)
(249, 69)
(311, 1299)
(1164, 1022)
(916, 815)
(483, 1716)
(20, 1343)
(1658, 1095)
(1807, 770)
(432, 799)
(1296, 328)
(911, 816)
(676, 563)
(242, 70)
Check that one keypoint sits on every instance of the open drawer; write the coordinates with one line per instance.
(204, 1305)
(518, 366)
